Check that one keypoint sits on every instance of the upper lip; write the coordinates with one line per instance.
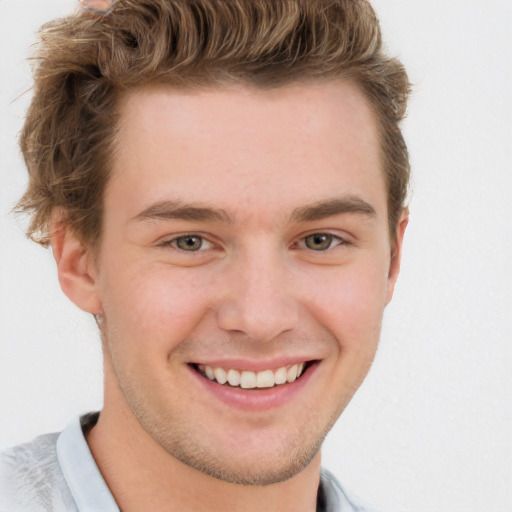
(254, 364)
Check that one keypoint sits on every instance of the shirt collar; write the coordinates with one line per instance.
(82, 475)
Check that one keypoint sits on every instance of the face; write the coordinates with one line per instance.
(245, 238)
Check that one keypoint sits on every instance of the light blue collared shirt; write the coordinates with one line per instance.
(84, 480)
(57, 473)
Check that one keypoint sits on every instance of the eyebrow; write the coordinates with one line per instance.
(169, 210)
(331, 207)
(177, 210)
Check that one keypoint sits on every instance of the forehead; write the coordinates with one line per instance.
(244, 146)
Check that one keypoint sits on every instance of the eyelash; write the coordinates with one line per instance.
(334, 241)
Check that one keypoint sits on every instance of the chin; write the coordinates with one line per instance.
(258, 472)
(253, 458)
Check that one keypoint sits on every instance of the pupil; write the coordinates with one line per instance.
(190, 243)
(318, 242)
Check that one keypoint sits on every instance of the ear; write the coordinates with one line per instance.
(396, 255)
(75, 266)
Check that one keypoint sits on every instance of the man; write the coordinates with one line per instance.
(223, 185)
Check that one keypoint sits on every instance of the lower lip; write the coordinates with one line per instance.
(258, 399)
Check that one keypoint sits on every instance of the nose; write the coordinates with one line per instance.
(258, 299)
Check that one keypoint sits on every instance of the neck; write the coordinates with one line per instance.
(142, 475)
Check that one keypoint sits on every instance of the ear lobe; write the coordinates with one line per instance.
(74, 267)
(396, 256)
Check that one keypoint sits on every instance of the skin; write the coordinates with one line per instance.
(257, 290)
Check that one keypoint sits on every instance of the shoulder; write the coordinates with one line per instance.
(335, 497)
(31, 479)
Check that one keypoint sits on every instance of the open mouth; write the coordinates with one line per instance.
(247, 379)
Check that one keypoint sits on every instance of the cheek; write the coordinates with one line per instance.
(154, 309)
(351, 305)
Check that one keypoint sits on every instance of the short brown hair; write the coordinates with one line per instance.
(84, 62)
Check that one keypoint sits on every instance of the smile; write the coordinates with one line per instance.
(247, 379)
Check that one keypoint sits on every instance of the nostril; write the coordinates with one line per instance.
(260, 320)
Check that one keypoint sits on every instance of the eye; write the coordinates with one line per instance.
(321, 241)
(189, 243)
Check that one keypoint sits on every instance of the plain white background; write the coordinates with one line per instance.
(430, 429)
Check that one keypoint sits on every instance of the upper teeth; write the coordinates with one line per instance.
(249, 380)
